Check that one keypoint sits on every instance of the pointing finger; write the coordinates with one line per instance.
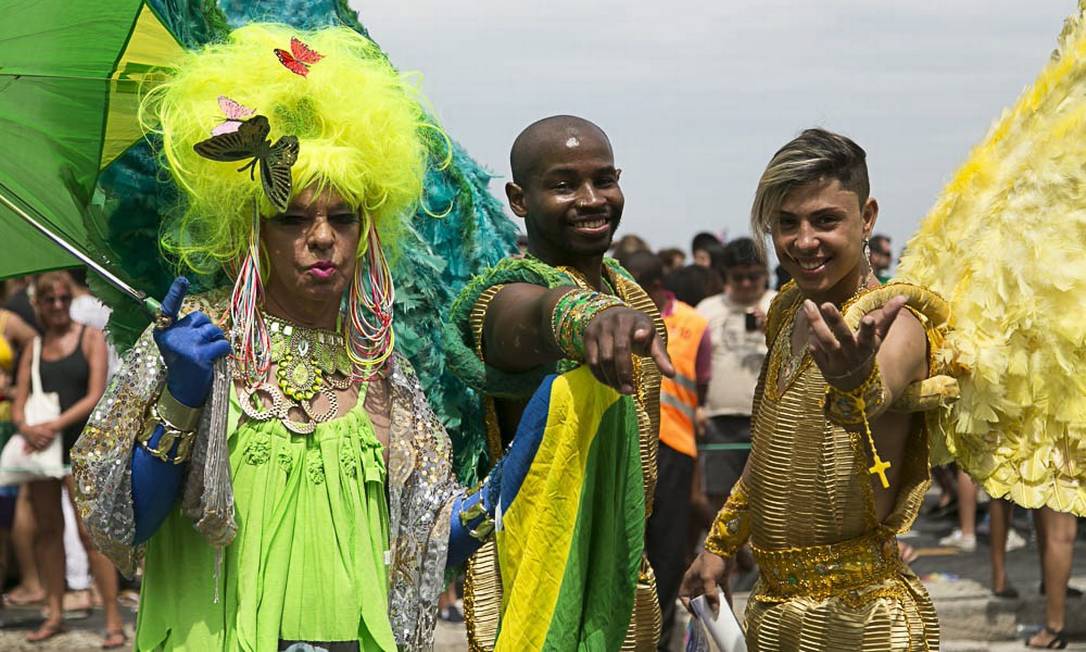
(171, 304)
(663, 360)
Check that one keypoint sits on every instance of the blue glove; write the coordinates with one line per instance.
(190, 348)
(503, 483)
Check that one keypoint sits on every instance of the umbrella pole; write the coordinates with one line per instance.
(151, 305)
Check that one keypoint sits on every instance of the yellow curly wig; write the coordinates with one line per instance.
(361, 126)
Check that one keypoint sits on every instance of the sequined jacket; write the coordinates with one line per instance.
(421, 483)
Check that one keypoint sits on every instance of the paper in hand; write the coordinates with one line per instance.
(720, 632)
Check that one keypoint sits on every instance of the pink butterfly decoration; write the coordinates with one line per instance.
(235, 114)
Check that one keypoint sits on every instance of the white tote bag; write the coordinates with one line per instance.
(17, 465)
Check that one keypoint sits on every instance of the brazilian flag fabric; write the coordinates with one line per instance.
(570, 544)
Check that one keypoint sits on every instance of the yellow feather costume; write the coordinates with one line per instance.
(1005, 245)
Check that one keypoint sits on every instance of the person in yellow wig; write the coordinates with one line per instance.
(264, 451)
(839, 460)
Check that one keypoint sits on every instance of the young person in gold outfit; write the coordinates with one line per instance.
(839, 463)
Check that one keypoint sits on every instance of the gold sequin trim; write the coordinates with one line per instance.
(834, 570)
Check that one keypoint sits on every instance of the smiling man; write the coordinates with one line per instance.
(839, 457)
(564, 306)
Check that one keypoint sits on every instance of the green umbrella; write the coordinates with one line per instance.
(71, 74)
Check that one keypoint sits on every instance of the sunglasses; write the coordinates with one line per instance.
(63, 299)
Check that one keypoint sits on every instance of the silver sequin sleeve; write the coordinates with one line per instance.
(421, 489)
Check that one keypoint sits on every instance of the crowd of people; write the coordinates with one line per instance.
(634, 432)
(715, 313)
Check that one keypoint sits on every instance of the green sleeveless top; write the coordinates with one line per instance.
(309, 559)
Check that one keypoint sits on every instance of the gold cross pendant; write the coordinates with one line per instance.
(879, 469)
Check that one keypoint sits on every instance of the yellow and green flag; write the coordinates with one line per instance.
(570, 544)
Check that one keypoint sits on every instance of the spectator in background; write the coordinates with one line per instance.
(18, 300)
(73, 364)
(881, 256)
(691, 284)
(15, 336)
(1055, 543)
(690, 351)
(672, 259)
(702, 247)
(626, 245)
(736, 322)
(89, 309)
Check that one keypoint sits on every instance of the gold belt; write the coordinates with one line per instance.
(830, 570)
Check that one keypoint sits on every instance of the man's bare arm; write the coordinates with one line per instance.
(518, 336)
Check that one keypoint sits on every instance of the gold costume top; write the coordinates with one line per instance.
(831, 577)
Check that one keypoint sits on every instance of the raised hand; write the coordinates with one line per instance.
(189, 347)
(613, 337)
(844, 356)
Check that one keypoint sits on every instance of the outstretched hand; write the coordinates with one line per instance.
(844, 356)
(613, 337)
(189, 347)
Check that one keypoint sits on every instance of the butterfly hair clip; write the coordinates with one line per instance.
(249, 140)
(300, 57)
(235, 114)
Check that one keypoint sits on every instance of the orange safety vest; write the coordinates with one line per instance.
(679, 395)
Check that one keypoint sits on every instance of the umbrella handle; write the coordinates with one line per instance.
(154, 308)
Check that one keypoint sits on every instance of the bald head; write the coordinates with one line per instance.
(543, 140)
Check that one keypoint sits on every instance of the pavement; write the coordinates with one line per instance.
(971, 619)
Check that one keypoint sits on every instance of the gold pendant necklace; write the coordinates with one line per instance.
(309, 362)
(305, 356)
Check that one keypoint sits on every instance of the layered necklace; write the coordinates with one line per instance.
(310, 363)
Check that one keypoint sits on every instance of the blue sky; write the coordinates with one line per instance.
(696, 96)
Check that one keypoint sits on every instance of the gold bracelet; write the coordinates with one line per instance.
(486, 527)
(165, 442)
(731, 527)
(572, 314)
(853, 407)
(176, 413)
(171, 436)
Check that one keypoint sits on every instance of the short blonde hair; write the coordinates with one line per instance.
(814, 155)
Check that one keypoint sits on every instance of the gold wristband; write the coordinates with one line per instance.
(486, 527)
(855, 407)
(167, 412)
(572, 314)
(731, 527)
(176, 413)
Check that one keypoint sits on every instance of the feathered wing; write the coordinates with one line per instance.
(438, 254)
(1005, 245)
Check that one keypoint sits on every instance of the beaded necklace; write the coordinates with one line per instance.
(309, 362)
